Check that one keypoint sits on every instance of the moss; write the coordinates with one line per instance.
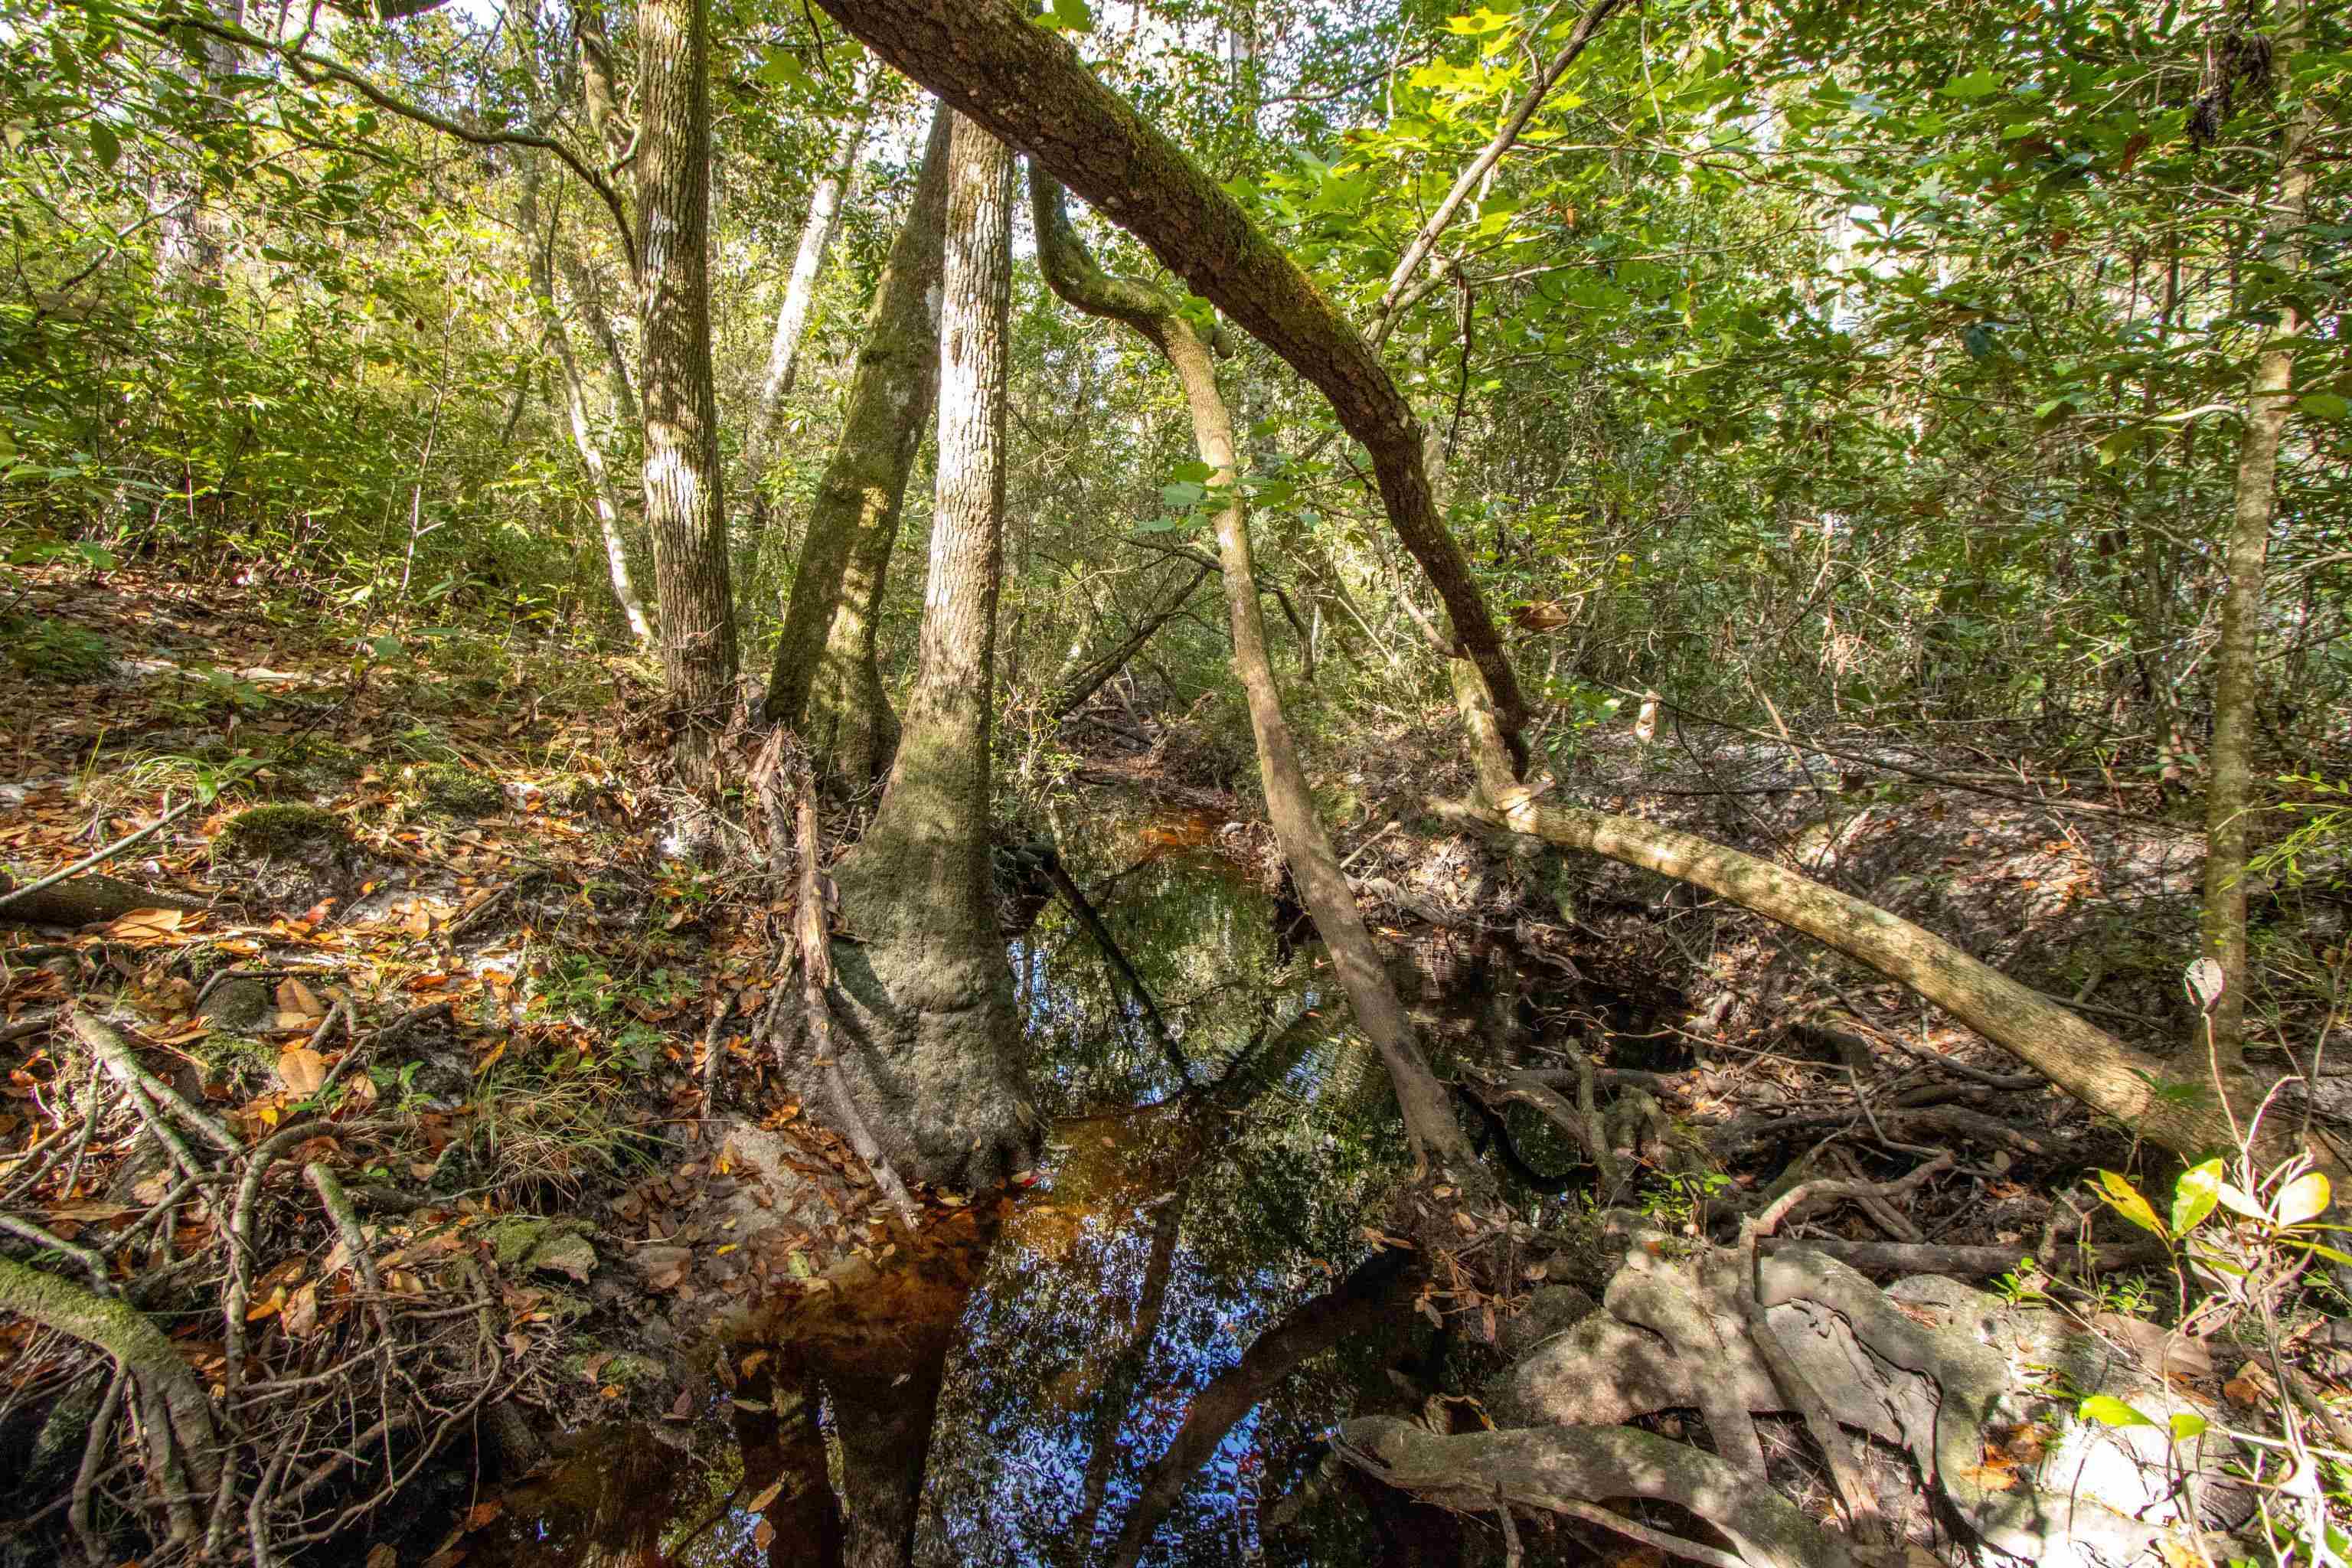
(457, 789)
(278, 829)
(223, 1052)
(627, 1370)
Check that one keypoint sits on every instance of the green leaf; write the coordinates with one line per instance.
(2109, 1410)
(2125, 1199)
(1975, 85)
(1195, 473)
(109, 147)
(1183, 493)
(2325, 404)
(2194, 1195)
(781, 70)
(1072, 16)
(2186, 1425)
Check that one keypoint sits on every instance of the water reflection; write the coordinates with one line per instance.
(1005, 1395)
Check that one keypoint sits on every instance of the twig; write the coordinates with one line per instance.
(103, 856)
(92, 1264)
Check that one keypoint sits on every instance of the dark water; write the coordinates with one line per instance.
(1010, 1397)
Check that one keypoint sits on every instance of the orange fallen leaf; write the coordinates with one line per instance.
(302, 1069)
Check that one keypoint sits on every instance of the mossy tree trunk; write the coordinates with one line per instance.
(685, 502)
(1029, 87)
(2237, 672)
(929, 994)
(825, 684)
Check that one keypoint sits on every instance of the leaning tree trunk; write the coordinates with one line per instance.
(1437, 1139)
(931, 1066)
(1030, 88)
(602, 493)
(2088, 1063)
(685, 506)
(854, 518)
(2237, 676)
(799, 306)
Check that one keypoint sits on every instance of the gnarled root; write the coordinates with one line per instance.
(1551, 1468)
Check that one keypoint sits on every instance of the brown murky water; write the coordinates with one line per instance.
(1003, 1396)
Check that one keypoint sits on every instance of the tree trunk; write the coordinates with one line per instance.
(832, 193)
(927, 993)
(2237, 676)
(1030, 88)
(575, 403)
(685, 506)
(854, 518)
(2088, 1063)
(588, 299)
(1436, 1135)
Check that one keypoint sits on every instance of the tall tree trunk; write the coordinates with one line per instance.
(1436, 1135)
(854, 518)
(2237, 677)
(793, 317)
(1030, 88)
(575, 403)
(929, 994)
(685, 503)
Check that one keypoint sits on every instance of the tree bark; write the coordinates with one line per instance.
(854, 518)
(2088, 1063)
(794, 315)
(1030, 88)
(172, 1394)
(684, 500)
(1436, 1135)
(928, 992)
(606, 500)
(2237, 675)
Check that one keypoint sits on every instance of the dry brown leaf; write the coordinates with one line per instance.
(382, 1555)
(147, 925)
(293, 996)
(759, 1503)
(763, 1535)
(301, 1313)
(482, 1513)
(302, 1069)
(2253, 1384)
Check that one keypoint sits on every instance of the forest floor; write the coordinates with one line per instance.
(435, 1058)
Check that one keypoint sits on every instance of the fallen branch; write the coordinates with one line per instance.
(103, 856)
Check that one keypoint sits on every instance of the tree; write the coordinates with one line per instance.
(685, 493)
(935, 1076)
(2237, 676)
(1436, 1135)
(798, 306)
(825, 648)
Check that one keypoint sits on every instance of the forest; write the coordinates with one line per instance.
(1175, 782)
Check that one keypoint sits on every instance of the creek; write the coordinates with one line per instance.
(1009, 1391)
